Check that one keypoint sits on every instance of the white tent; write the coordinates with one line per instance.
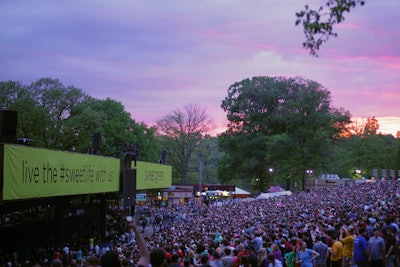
(273, 194)
(240, 193)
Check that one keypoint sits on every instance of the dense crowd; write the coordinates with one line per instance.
(336, 226)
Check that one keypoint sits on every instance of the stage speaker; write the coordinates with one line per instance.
(162, 157)
(8, 126)
(129, 187)
(96, 141)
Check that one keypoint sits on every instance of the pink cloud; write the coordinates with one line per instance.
(158, 56)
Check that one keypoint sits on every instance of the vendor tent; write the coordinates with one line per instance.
(240, 193)
(274, 194)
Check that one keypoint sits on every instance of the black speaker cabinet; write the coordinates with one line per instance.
(8, 126)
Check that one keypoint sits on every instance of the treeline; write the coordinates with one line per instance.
(279, 129)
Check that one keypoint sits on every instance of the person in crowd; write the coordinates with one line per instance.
(272, 262)
(290, 257)
(305, 256)
(110, 259)
(276, 251)
(253, 261)
(376, 248)
(57, 263)
(204, 260)
(216, 261)
(347, 238)
(322, 249)
(157, 258)
(178, 251)
(336, 252)
(274, 220)
(390, 245)
(227, 258)
(257, 241)
(175, 261)
(361, 253)
(242, 256)
(262, 258)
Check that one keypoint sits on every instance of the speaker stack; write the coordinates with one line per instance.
(8, 126)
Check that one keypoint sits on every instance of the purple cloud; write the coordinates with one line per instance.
(155, 56)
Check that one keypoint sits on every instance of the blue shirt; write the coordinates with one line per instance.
(360, 245)
(322, 249)
(306, 258)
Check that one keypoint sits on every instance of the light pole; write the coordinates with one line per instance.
(309, 174)
(271, 172)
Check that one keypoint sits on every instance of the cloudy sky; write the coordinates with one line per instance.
(156, 56)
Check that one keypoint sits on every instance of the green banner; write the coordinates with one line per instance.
(152, 175)
(32, 173)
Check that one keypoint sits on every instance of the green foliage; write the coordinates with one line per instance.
(397, 151)
(274, 122)
(208, 155)
(63, 117)
(318, 23)
(365, 152)
(283, 123)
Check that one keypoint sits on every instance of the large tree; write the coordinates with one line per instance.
(63, 117)
(277, 123)
(16, 96)
(44, 111)
(118, 128)
(181, 132)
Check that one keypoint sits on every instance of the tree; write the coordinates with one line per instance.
(282, 123)
(63, 117)
(318, 23)
(181, 132)
(362, 128)
(16, 96)
(364, 149)
(208, 155)
(55, 102)
(371, 126)
(109, 118)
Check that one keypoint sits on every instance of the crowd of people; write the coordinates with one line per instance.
(340, 226)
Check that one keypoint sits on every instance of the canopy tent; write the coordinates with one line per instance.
(240, 193)
(274, 194)
(212, 193)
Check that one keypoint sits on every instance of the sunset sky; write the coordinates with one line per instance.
(156, 56)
